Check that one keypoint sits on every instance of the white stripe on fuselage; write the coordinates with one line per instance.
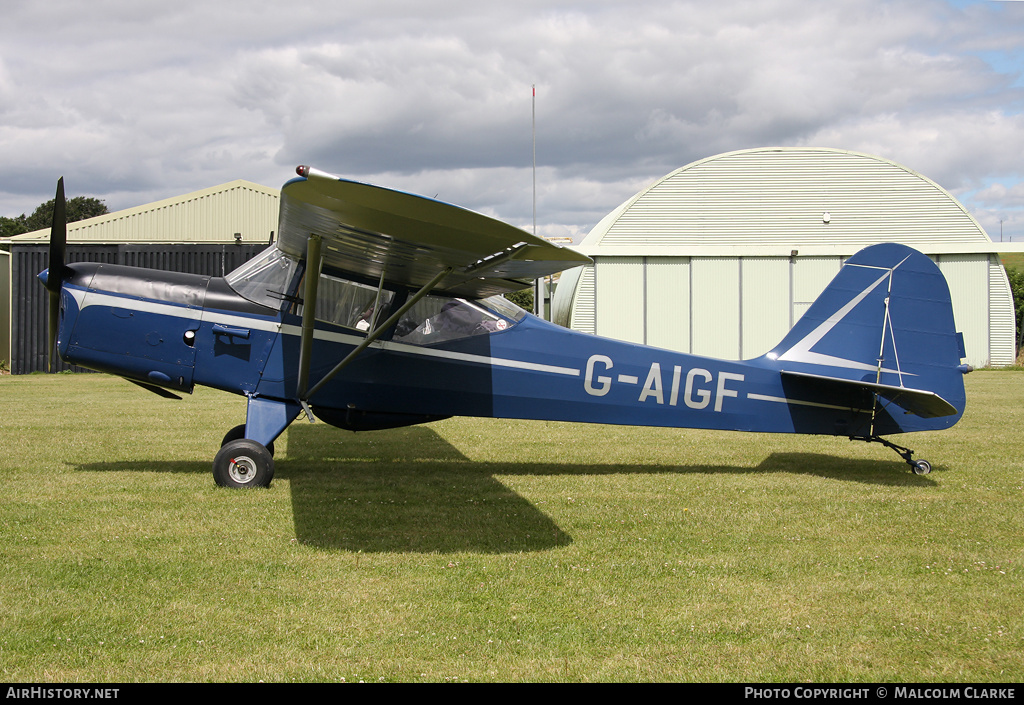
(96, 298)
(798, 402)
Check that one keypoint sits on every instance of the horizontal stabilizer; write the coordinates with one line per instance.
(917, 401)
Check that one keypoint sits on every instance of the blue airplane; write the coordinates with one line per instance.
(378, 308)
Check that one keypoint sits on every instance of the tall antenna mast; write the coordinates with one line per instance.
(538, 302)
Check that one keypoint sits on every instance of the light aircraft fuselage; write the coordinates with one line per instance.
(876, 354)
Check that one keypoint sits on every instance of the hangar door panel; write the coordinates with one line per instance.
(668, 302)
(620, 298)
(810, 277)
(765, 305)
(967, 276)
(715, 306)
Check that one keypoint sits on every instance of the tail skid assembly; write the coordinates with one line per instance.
(920, 466)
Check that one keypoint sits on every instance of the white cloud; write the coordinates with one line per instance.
(133, 102)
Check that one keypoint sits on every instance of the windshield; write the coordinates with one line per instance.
(267, 279)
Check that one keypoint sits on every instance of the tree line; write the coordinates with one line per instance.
(78, 208)
(1016, 277)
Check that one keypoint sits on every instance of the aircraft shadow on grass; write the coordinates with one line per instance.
(409, 490)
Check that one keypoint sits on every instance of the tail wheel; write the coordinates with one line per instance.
(243, 463)
(921, 467)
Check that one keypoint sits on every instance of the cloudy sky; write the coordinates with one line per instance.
(133, 101)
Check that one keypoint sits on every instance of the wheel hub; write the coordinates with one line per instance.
(242, 469)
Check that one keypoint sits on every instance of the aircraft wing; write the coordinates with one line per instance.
(368, 231)
(917, 401)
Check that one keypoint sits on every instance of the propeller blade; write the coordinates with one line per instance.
(55, 271)
(58, 240)
(53, 321)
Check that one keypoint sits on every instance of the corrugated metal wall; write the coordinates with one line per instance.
(29, 300)
(779, 197)
(1002, 321)
(5, 308)
(211, 215)
(582, 311)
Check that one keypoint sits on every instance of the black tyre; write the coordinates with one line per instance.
(243, 463)
(921, 467)
(237, 433)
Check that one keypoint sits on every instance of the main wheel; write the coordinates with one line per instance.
(243, 463)
(239, 432)
(921, 467)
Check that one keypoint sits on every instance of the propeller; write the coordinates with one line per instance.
(55, 271)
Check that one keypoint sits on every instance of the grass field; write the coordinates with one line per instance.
(1013, 259)
(490, 550)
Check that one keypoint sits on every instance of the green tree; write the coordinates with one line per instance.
(1016, 277)
(13, 226)
(78, 208)
(522, 299)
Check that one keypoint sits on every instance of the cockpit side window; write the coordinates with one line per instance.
(349, 304)
(436, 319)
(274, 279)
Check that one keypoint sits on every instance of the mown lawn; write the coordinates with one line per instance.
(493, 550)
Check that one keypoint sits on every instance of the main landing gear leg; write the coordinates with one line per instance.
(246, 457)
(920, 467)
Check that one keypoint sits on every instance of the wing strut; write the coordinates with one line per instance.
(313, 265)
(372, 336)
